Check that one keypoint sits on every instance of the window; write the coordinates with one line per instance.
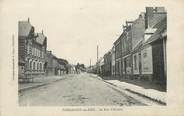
(35, 52)
(28, 49)
(30, 65)
(38, 53)
(38, 66)
(135, 62)
(33, 66)
(42, 55)
(41, 66)
(32, 51)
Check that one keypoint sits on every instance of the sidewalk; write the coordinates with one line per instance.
(149, 93)
(40, 81)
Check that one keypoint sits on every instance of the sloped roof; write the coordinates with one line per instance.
(24, 28)
(156, 18)
(40, 38)
(161, 27)
(62, 61)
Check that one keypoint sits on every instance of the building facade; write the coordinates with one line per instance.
(140, 51)
(126, 57)
(99, 65)
(32, 49)
(154, 45)
(107, 63)
(118, 48)
(113, 61)
(138, 28)
(54, 65)
(63, 69)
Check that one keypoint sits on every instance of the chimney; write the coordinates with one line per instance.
(160, 9)
(148, 16)
(42, 31)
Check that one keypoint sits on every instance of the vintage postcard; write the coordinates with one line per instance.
(83, 57)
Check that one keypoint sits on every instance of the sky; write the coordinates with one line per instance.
(74, 28)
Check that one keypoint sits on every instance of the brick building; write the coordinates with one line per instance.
(63, 69)
(126, 57)
(54, 65)
(118, 48)
(107, 63)
(153, 50)
(140, 51)
(32, 48)
(99, 64)
(113, 62)
(138, 28)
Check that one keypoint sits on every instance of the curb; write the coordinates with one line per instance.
(39, 85)
(140, 94)
(32, 87)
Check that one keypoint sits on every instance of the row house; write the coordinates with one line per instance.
(122, 51)
(153, 48)
(126, 57)
(100, 65)
(148, 51)
(54, 65)
(107, 63)
(140, 51)
(118, 48)
(63, 66)
(113, 61)
(138, 29)
(31, 50)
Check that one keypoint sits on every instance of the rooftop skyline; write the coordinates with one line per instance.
(74, 29)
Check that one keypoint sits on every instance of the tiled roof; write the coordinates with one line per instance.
(62, 61)
(24, 28)
(156, 18)
(40, 38)
(161, 27)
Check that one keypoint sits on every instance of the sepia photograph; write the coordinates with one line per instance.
(130, 72)
(103, 56)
